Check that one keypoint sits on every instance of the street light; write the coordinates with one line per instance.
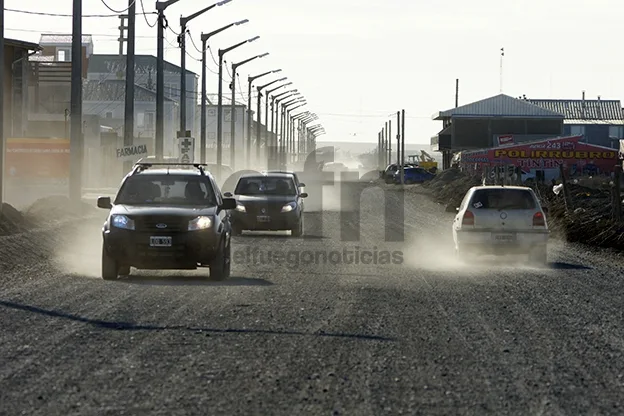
(299, 117)
(290, 98)
(235, 67)
(275, 116)
(266, 118)
(285, 124)
(222, 53)
(160, 77)
(279, 118)
(260, 88)
(291, 128)
(204, 98)
(250, 80)
(182, 43)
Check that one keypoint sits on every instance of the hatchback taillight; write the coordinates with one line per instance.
(468, 218)
(538, 220)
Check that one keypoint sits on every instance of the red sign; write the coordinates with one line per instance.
(545, 154)
(505, 140)
(37, 158)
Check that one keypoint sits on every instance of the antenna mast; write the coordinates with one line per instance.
(501, 69)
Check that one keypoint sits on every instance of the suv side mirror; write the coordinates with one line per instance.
(303, 195)
(228, 203)
(104, 202)
(302, 185)
(228, 195)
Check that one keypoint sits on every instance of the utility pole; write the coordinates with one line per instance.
(389, 141)
(249, 116)
(457, 93)
(258, 123)
(402, 147)
(130, 72)
(122, 27)
(233, 111)
(398, 138)
(1, 105)
(160, 78)
(75, 142)
(182, 43)
(202, 127)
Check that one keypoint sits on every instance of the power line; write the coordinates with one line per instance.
(370, 115)
(118, 11)
(145, 16)
(64, 15)
(107, 35)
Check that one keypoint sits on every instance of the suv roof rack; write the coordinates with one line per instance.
(141, 166)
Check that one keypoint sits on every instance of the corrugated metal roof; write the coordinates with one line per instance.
(594, 122)
(583, 109)
(143, 64)
(115, 90)
(22, 44)
(55, 39)
(499, 106)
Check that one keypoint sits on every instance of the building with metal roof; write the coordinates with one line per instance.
(601, 122)
(105, 99)
(484, 123)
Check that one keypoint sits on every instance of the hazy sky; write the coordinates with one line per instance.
(356, 62)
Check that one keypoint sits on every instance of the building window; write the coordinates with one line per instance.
(616, 131)
(577, 130)
(228, 115)
(60, 55)
(149, 120)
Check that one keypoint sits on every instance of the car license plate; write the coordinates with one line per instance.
(263, 218)
(504, 237)
(161, 241)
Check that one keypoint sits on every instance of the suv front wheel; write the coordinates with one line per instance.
(110, 268)
(220, 266)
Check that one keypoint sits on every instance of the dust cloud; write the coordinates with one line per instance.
(80, 251)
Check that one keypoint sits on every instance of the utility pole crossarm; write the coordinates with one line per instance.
(162, 5)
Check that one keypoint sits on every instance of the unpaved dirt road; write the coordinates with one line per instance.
(427, 336)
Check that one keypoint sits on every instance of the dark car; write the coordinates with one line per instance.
(388, 174)
(268, 202)
(167, 217)
(413, 175)
(295, 177)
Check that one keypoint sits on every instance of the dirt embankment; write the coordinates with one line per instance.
(588, 219)
(42, 213)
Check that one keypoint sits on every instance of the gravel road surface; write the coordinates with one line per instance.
(301, 335)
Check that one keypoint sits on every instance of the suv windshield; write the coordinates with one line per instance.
(508, 199)
(166, 190)
(266, 185)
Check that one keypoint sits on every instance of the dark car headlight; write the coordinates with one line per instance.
(122, 221)
(200, 223)
(240, 207)
(291, 206)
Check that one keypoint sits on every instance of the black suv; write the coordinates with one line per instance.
(167, 216)
(268, 202)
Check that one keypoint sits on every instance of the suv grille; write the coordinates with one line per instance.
(155, 224)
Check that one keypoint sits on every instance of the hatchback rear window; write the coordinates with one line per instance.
(508, 199)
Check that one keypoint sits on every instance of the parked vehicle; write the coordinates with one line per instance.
(413, 175)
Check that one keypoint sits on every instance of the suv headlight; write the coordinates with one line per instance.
(200, 223)
(240, 207)
(289, 207)
(123, 222)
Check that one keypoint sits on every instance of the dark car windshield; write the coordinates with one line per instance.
(167, 190)
(508, 199)
(266, 185)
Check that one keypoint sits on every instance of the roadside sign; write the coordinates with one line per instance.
(131, 153)
(187, 149)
